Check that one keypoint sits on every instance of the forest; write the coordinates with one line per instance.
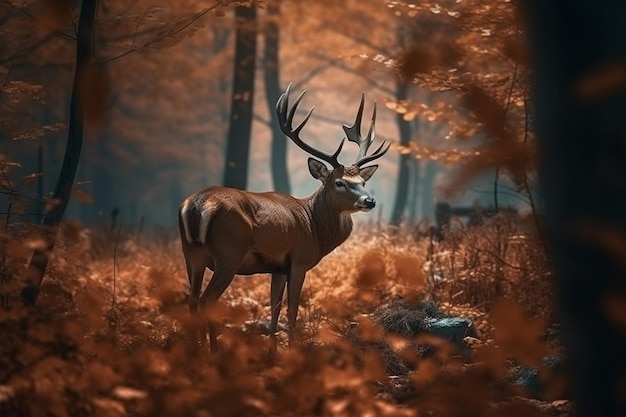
(484, 272)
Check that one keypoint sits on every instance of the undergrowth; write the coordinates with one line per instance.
(110, 333)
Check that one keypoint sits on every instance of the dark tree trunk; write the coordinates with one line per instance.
(280, 174)
(40, 203)
(104, 181)
(402, 187)
(413, 206)
(427, 188)
(242, 98)
(84, 53)
(579, 50)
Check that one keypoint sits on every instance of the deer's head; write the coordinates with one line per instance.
(344, 186)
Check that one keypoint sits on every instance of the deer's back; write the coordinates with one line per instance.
(270, 229)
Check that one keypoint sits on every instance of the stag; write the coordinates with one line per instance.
(232, 231)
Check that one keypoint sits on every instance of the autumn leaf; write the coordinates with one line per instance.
(82, 196)
(368, 330)
(416, 60)
(55, 14)
(372, 270)
(94, 95)
(516, 50)
(487, 110)
(518, 335)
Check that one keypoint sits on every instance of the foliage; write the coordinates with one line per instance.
(475, 60)
(36, 71)
(109, 337)
(166, 109)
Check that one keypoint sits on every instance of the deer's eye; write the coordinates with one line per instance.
(339, 184)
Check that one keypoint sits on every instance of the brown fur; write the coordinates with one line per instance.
(249, 233)
(239, 232)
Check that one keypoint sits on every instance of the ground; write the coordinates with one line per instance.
(111, 333)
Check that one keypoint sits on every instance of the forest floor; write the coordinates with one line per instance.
(110, 334)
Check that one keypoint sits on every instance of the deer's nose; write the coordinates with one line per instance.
(365, 203)
(369, 202)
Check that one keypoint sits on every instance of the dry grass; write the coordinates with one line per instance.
(109, 334)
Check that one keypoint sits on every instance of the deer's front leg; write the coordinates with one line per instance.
(276, 299)
(294, 288)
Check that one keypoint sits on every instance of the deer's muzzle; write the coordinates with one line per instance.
(365, 203)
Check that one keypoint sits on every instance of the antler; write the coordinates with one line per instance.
(286, 121)
(353, 133)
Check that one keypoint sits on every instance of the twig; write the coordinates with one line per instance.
(4, 276)
(117, 241)
(6, 79)
(32, 16)
(496, 179)
(340, 65)
(8, 213)
(335, 327)
(20, 214)
(533, 206)
(172, 34)
(502, 261)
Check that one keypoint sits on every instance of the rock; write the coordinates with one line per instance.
(398, 318)
(452, 329)
(530, 379)
(401, 319)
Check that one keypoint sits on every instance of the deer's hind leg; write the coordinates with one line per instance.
(224, 272)
(196, 261)
(229, 239)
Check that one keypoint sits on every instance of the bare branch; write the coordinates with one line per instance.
(192, 20)
(339, 64)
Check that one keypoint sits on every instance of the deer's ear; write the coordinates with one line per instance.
(318, 169)
(367, 172)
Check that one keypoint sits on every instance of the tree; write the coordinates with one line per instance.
(84, 73)
(271, 71)
(21, 99)
(242, 98)
(88, 100)
(473, 58)
(578, 54)
(402, 185)
(377, 54)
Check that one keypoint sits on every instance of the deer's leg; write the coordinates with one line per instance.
(276, 299)
(196, 262)
(196, 276)
(294, 288)
(222, 277)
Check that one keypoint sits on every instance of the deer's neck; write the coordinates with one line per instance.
(330, 227)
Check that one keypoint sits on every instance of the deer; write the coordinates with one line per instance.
(237, 232)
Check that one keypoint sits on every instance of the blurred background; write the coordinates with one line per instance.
(181, 97)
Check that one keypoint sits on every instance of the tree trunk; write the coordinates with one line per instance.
(104, 179)
(54, 214)
(427, 196)
(280, 173)
(242, 99)
(402, 186)
(578, 51)
(414, 208)
(40, 208)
